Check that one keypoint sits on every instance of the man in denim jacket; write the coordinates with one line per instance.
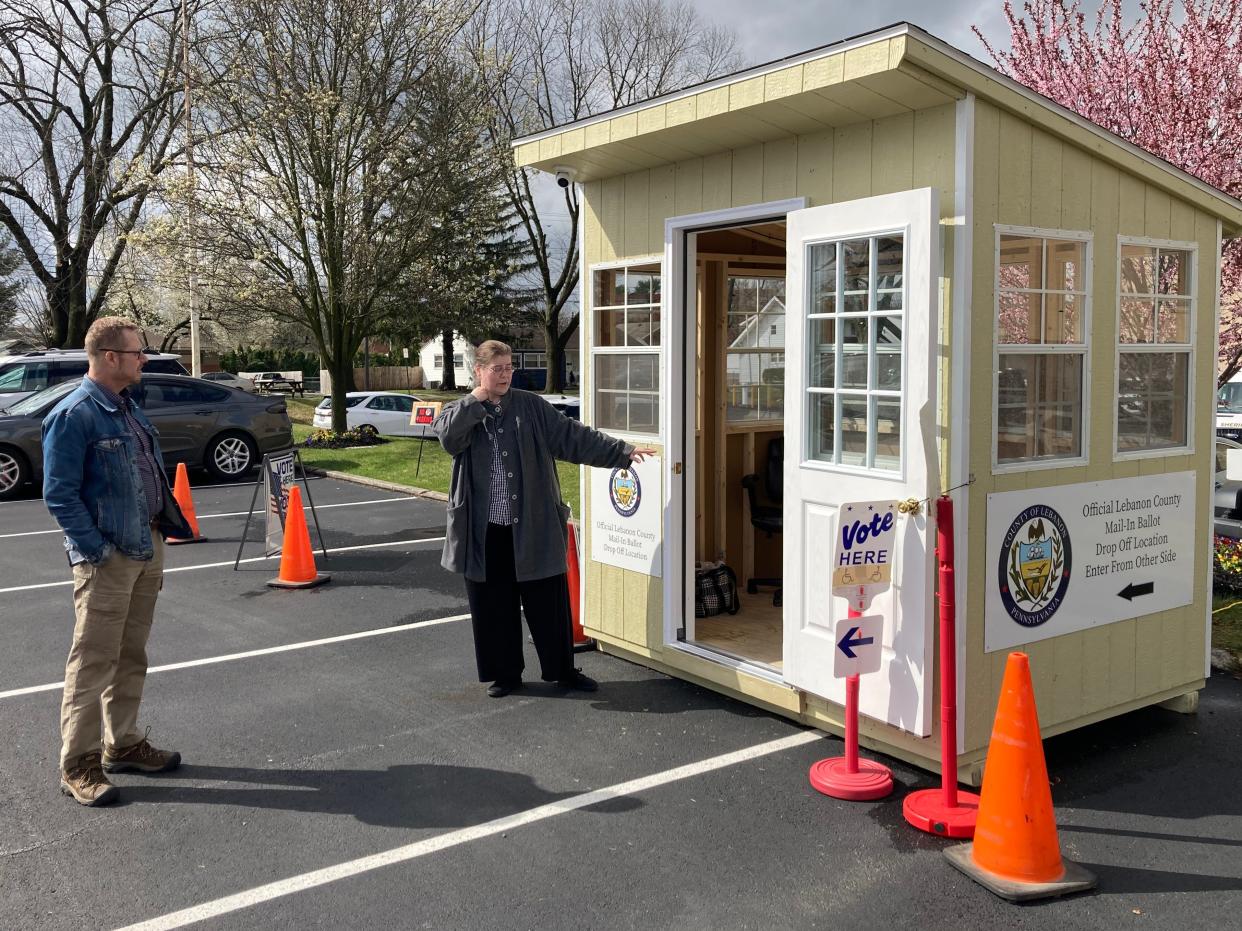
(104, 483)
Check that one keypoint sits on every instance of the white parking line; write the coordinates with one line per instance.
(266, 651)
(318, 507)
(229, 562)
(311, 880)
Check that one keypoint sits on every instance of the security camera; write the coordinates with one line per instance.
(565, 175)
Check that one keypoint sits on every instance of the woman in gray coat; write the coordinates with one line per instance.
(506, 521)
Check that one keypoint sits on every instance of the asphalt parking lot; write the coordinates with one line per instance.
(343, 769)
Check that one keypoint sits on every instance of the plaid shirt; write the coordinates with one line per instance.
(500, 498)
(146, 459)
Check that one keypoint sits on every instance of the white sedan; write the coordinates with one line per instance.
(384, 412)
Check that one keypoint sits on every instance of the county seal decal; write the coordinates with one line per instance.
(624, 491)
(1034, 571)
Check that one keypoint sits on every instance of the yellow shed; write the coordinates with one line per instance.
(874, 272)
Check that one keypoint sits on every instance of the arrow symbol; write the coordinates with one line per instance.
(847, 644)
(1132, 591)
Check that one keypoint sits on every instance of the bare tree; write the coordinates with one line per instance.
(550, 62)
(90, 108)
(326, 193)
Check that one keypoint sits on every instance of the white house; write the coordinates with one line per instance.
(431, 358)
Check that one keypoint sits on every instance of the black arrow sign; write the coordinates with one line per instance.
(1132, 591)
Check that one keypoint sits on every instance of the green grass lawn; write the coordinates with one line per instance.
(397, 461)
(1227, 622)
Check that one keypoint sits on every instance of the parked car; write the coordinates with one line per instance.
(386, 413)
(568, 404)
(233, 381)
(223, 430)
(1227, 503)
(22, 375)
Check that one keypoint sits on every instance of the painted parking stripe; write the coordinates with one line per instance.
(229, 562)
(266, 651)
(331, 874)
(318, 507)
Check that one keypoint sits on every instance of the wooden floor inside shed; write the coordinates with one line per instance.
(753, 634)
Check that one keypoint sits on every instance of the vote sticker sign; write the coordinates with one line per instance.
(862, 563)
(424, 414)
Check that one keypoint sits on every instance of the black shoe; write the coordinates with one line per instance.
(576, 680)
(502, 687)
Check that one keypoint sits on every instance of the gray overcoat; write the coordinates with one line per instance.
(544, 435)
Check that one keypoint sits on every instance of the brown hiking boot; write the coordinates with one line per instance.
(140, 758)
(86, 784)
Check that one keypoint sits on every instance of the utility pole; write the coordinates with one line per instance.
(196, 359)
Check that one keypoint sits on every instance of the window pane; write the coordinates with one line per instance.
(1065, 265)
(856, 256)
(1039, 407)
(823, 264)
(743, 331)
(1138, 269)
(611, 410)
(889, 262)
(823, 371)
(1152, 392)
(888, 353)
(853, 431)
(888, 434)
(639, 288)
(644, 372)
(888, 300)
(609, 287)
(1021, 262)
(1173, 322)
(1018, 318)
(854, 352)
(821, 432)
(644, 413)
(1062, 318)
(642, 327)
(611, 372)
(1174, 272)
(755, 385)
(610, 328)
(1137, 321)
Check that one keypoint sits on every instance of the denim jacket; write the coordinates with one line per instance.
(91, 483)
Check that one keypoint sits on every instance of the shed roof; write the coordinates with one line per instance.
(894, 70)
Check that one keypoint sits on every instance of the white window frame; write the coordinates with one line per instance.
(869, 393)
(1139, 348)
(1083, 349)
(657, 260)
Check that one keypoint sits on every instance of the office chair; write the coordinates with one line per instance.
(768, 517)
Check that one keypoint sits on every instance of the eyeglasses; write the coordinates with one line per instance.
(136, 352)
(500, 369)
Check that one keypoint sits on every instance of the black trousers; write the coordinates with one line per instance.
(496, 614)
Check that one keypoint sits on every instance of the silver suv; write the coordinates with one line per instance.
(24, 374)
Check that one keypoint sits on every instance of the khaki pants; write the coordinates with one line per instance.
(115, 604)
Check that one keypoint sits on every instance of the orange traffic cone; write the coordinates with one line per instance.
(581, 641)
(1015, 853)
(297, 560)
(185, 501)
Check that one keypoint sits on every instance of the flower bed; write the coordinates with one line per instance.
(1227, 566)
(326, 439)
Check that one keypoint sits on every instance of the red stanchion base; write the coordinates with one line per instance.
(927, 811)
(832, 777)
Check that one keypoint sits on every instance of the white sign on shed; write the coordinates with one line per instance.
(1071, 557)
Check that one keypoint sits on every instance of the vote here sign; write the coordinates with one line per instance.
(862, 562)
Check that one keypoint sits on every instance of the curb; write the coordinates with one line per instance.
(379, 483)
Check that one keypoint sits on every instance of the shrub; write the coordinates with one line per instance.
(1227, 565)
(326, 439)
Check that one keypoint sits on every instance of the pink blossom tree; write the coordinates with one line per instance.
(1170, 83)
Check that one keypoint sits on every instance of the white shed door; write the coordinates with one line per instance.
(860, 425)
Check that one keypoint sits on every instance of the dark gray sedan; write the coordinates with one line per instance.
(223, 430)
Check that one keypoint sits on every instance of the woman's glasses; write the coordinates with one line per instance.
(500, 369)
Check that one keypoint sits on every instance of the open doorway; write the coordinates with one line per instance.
(739, 393)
